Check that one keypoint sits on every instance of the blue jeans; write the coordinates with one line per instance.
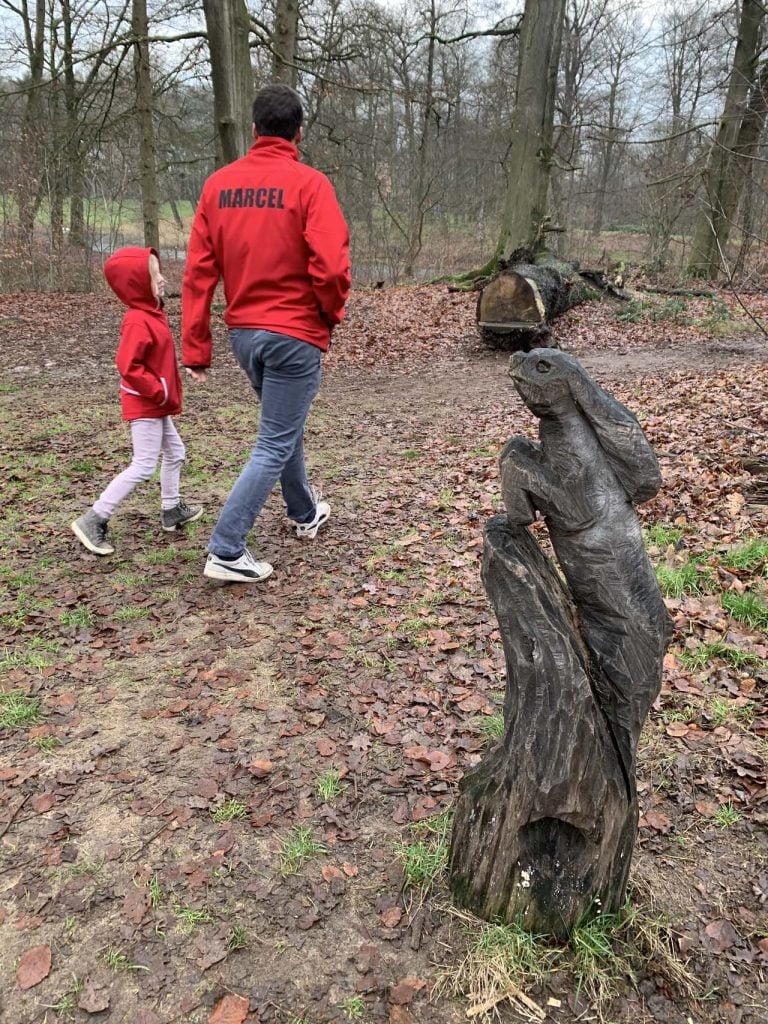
(285, 373)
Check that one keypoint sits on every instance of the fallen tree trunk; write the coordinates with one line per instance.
(516, 307)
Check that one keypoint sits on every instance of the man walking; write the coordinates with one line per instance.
(271, 227)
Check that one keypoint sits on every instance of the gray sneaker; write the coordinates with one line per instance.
(244, 569)
(180, 515)
(91, 530)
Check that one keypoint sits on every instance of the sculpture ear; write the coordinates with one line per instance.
(621, 437)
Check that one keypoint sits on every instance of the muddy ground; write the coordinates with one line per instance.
(369, 663)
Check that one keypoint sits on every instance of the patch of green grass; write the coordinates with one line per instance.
(239, 938)
(80, 616)
(380, 554)
(298, 847)
(686, 713)
(492, 726)
(426, 858)
(705, 653)
(353, 1007)
(129, 579)
(601, 965)
(167, 593)
(688, 578)
(329, 786)
(409, 453)
(394, 575)
(161, 556)
(727, 816)
(190, 919)
(86, 467)
(746, 608)
(25, 658)
(155, 892)
(602, 954)
(719, 710)
(661, 536)
(230, 810)
(118, 961)
(748, 557)
(68, 1001)
(18, 710)
(128, 613)
(46, 744)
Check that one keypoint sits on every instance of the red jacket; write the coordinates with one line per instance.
(272, 228)
(150, 384)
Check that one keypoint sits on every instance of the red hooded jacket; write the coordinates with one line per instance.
(272, 228)
(150, 384)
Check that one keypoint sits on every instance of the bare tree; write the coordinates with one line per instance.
(284, 38)
(530, 144)
(722, 182)
(145, 120)
(228, 27)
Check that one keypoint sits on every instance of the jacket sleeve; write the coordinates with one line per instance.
(201, 275)
(137, 379)
(327, 237)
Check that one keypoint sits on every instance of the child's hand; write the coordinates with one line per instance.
(200, 376)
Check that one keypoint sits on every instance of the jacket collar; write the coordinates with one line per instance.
(271, 145)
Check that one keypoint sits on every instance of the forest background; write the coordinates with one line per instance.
(409, 108)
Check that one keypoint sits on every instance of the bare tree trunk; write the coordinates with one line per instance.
(75, 170)
(228, 26)
(720, 186)
(144, 118)
(284, 35)
(528, 168)
(32, 127)
(610, 145)
(421, 193)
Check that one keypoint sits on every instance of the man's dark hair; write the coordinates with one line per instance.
(277, 111)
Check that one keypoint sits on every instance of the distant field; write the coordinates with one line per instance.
(114, 222)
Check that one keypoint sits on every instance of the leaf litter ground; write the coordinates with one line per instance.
(210, 794)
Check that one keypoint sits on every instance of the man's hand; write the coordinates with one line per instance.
(200, 376)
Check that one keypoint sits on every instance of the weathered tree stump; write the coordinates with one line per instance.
(545, 825)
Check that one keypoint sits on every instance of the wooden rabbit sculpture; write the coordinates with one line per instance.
(545, 825)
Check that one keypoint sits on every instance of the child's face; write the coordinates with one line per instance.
(156, 278)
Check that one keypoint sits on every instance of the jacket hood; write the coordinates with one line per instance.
(127, 273)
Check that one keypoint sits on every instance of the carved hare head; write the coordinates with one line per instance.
(545, 380)
(554, 385)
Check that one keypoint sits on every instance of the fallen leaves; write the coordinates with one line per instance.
(34, 966)
(93, 998)
(720, 935)
(230, 1009)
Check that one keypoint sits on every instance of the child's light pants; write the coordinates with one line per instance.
(151, 438)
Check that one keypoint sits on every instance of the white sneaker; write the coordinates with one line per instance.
(244, 569)
(322, 514)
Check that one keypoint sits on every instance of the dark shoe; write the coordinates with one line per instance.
(91, 530)
(180, 515)
(244, 569)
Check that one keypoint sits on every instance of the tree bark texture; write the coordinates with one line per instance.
(531, 138)
(721, 188)
(228, 26)
(150, 203)
(545, 825)
(32, 144)
(284, 35)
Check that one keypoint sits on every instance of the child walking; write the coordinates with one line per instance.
(150, 393)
